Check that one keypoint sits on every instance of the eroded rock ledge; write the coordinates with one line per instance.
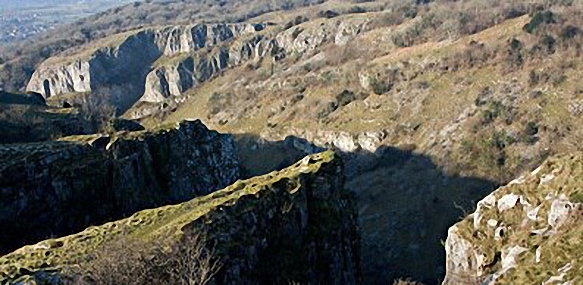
(528, 232)
(158, 60)
(158, 64)
(58, 188)
(300, 216)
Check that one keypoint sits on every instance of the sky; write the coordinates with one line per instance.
(6, 4)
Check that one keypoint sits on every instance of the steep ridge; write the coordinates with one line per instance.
(126, 59)
(172, 60)
(57, 188)
(300, 216)
(528, 232)
(22, 59)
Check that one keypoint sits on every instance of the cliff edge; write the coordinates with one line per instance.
(528, 232)
(295, 225)
(61, 187)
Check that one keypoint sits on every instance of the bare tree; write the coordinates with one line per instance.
(97, 109)
(187, 262)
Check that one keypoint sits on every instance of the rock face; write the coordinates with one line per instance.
(126, 61)
(344, 141)
(528, 232)
(295, 225)
(62, 187)
(159, 63)
(350, 145)
(181, 73)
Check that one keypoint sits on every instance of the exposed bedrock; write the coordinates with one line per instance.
(174, 78)
(297, 225)
(57, 188)
(154, 64)
(123, 61)
(527, 232)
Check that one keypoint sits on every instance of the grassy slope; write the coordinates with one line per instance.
(447, 95)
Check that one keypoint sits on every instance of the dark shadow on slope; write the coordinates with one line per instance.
(32, 98)
(26, 118)
(258, 156)
(52, 189)
(406, 204)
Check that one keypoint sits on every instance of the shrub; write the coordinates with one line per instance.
(328, 14)
(328, 109)
(356, 10)
(97, 109)
(408, 11)
(540, 18)
(188, 262)
(345, 97)
(570, 32)
(296, 21)
(548, 42)
(514, 54)
(380, 87)
(530, 131)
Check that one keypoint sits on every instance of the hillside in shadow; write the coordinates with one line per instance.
(406, 203)
(26, 118)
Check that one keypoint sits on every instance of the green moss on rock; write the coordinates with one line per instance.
(264, 201)
(59, 188)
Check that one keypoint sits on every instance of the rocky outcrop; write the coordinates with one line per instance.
(58, 188)
(173, 78)
(295, 225)
(362, 151)
(312, 142)
(159, 63)
(528, 232)
(127, 59)
(115, 64)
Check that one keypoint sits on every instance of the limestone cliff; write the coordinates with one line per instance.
(126, 59)
(57, 188)
(528, 232)
(295, 225)
(80, 72)
(176, 75)
(153, 64)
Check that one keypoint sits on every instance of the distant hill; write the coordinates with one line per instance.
(23, 58)
(4, 4)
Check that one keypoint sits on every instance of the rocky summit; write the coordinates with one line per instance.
(528, 232)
